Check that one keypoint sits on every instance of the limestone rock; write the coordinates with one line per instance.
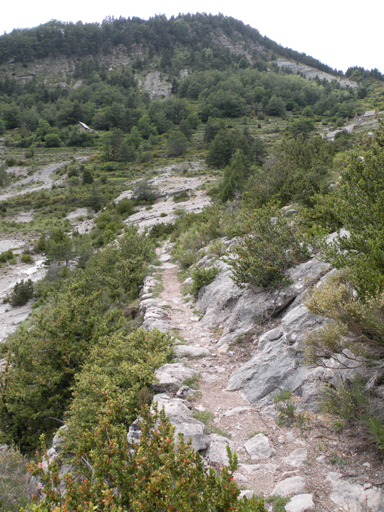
(184, 391)
(172, 405)
(259, 447)
(191, 429)
(289, 486)
(352, 497)
(217, 451)
(237, 410)
(247, 493)
(300, 503)
(170, 377)
(190, 351)
(58, 439)
(239, 310)
(296, 458)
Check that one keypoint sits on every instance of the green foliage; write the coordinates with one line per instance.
(201, 277)
(87, 177)
(360, 198)
(177, 143)
(6, 256)
(15, 486)
(26, 258)
(22, 292)
(124, 207)
(52, 140)
(225, 144)
(35, 387)
(117, 369)
(275, 106)
(145, 192)
(355, 404)
(300, 168)
(278, 503)
(111, 473)
(364, 320)
(269, 248)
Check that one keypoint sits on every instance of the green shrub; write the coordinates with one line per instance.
(162, 229)
(111, 474)
(15, 485)
(26, 258)
(351, 401)
(359, 208)
(145, 192)
(116, 370)
(6, 256)
(269, 248)
(124, 207)
(35, 387)
(348, 314)
(21, 293)
(201, 277)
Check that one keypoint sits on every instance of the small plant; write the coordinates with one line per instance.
(201, 277)
(193, 382)
(6, 256)
(181, 196)
(278, 503)
(335, 459)
(22, 292)
(217, 248)
(285, 406)
(26, 258)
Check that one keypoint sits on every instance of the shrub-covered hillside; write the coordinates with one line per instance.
(192, 138)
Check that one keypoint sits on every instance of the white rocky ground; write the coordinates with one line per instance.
(238, 379)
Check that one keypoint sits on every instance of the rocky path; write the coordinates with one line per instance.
(281, 460)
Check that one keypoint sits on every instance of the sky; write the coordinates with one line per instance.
(339, 33)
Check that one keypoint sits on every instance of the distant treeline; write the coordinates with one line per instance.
(359, 72)
(159, 34)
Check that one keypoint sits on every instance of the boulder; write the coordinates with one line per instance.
(296, 458)
(190, 351)
(353, 497)
(170, 377)
(217, 451)
(289, 486)
(300, 503)
(259, 447)
(192, 429)
(239, 309)
(172, 405)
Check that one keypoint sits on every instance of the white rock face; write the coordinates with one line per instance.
(353, 497)
(259, 447)
(170, 377)
(300, 503)
(289, 487)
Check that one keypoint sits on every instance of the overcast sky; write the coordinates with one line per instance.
(340, 33)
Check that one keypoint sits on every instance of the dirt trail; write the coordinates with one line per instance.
(262, 475)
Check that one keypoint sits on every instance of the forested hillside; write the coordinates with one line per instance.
(133, 153)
